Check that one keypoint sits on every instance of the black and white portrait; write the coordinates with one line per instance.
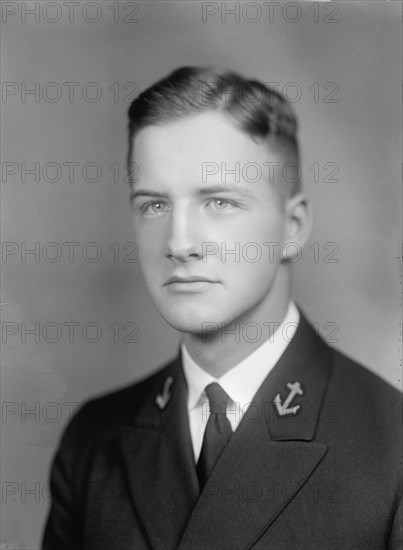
(201, 293)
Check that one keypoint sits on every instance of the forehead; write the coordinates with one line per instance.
(183, 147)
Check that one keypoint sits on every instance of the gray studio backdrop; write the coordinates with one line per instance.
(76, 318)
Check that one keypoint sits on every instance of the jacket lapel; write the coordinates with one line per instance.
(158, 460)
(270, 456)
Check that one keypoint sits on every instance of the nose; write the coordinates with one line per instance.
(182, 242)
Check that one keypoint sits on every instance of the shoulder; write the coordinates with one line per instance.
(107, 412)
(353, 379)
(367, 406)
(351, 384)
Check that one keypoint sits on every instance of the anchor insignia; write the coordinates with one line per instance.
(282, 408)
(163, 398)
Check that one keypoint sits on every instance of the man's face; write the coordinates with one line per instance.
(193, 224)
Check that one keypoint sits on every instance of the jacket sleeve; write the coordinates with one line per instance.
(396, 536)
(63, 526)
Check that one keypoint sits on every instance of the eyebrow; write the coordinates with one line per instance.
(145, 193)
(224, 188)
(211, 190)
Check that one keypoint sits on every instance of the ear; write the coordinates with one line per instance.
(299, 222)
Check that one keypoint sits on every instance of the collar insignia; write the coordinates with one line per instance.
(162, 399)
(283, 409)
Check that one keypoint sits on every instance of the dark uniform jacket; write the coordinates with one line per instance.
(325, 477)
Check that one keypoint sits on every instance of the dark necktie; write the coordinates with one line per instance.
(218, 431)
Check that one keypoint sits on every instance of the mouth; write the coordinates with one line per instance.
(193, 279)
(195, 283)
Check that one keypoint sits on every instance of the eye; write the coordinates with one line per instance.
(155, 207)
(220, 204)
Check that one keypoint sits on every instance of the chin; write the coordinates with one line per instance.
(192, 320)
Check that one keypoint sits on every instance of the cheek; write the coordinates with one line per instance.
(253, 275)
(253, 247)
(258, 226)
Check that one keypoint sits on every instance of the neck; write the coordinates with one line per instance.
(219, 352)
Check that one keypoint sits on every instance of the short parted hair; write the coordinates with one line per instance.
(260, 112)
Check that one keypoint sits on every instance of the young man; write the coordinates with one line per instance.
(258, 435)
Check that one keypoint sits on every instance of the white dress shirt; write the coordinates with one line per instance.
(240, 383)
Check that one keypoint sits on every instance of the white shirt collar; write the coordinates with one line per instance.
(244, 379)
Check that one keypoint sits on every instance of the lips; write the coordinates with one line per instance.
(191, 279)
